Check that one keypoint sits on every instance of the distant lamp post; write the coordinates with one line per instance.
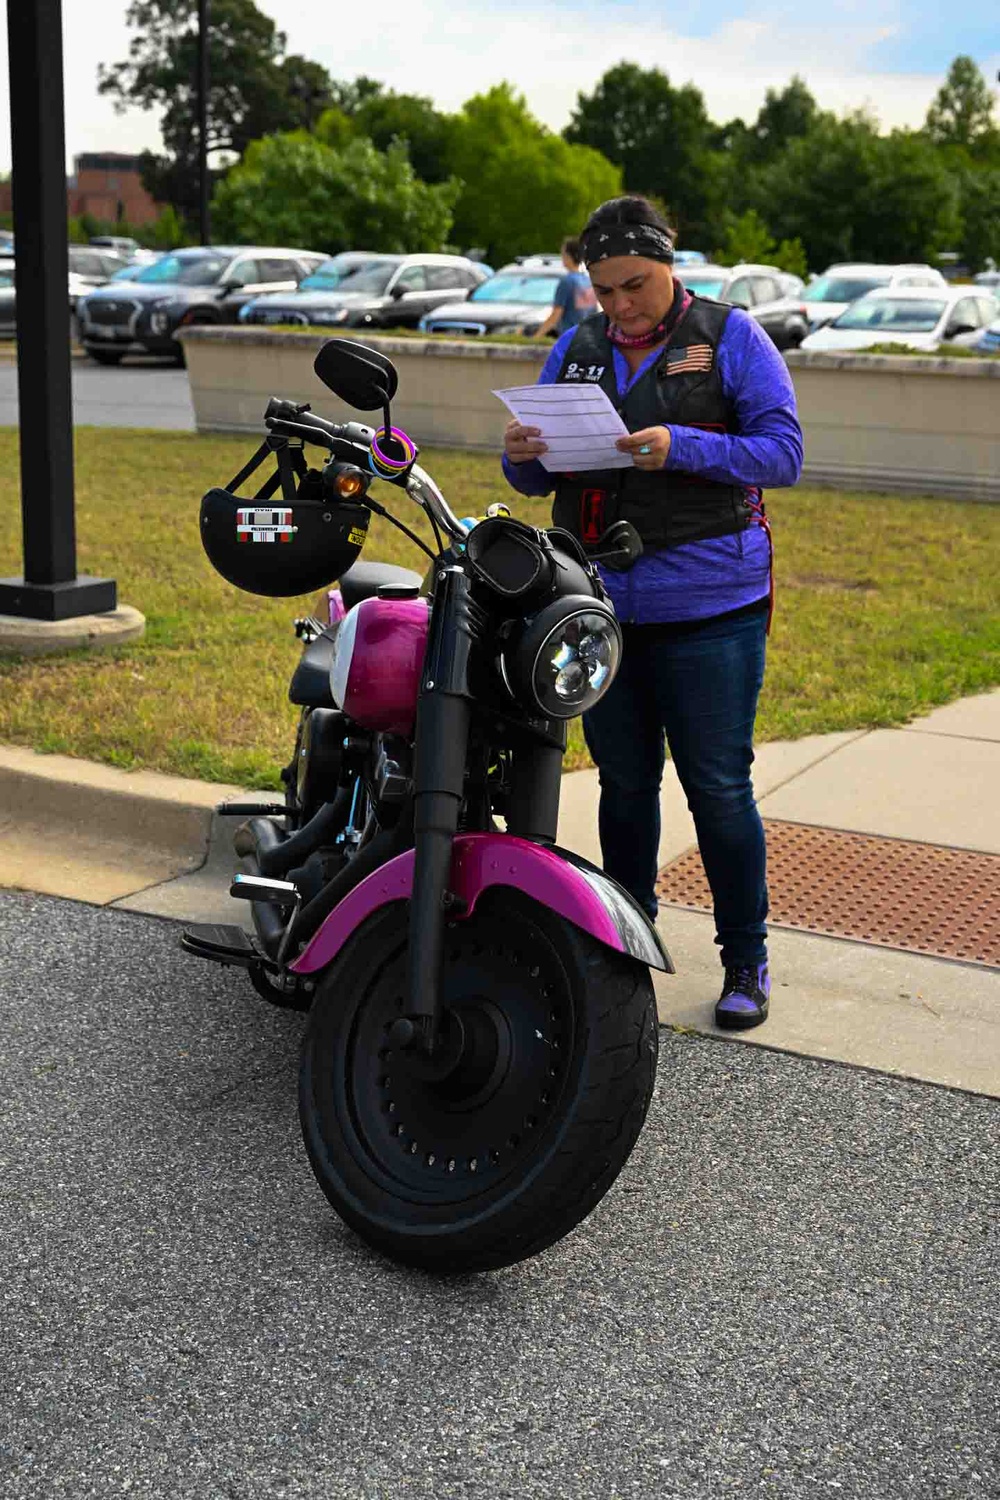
(51, 592)
(204, 223)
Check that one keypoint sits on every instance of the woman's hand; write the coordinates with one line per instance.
(521, 444)
(649, 448)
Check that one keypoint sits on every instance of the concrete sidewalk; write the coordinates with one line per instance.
(151, 843)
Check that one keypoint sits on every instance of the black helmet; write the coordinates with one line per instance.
(280, 547)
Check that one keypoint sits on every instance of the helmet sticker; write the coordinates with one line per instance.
(273, 524)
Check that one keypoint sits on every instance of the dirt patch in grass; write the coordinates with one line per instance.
(886, 607)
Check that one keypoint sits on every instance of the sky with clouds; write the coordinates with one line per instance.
(890, 55)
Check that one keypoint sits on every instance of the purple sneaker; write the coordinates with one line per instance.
(746, 993)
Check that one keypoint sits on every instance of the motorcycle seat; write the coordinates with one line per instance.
(310, 684)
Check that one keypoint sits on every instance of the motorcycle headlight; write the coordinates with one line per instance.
(563, 660)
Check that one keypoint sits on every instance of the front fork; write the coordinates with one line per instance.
(441, 755)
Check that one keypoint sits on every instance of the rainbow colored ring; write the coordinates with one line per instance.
(382, 463)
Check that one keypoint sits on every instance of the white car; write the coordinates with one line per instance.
(827, 296)
(913, 317)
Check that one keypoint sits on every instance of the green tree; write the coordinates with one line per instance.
(523, 189)
(962, 111)
(349, 97)
(661, 138)
(785, 115)
(748, 238)
(291, 189)
(910, 209)
(850, 194)
(386, 116)
(168, 232)
(980, 209)
(334, 128)
(253, 88)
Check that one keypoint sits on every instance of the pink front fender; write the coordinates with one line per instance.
(555, 878)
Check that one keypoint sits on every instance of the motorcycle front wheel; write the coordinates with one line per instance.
(507, 1138)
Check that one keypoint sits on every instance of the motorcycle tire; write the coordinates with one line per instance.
(545, 1068)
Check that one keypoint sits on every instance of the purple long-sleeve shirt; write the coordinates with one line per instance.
(700, 579)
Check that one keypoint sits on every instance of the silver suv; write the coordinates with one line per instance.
(827, 296)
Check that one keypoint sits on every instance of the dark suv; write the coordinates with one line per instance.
(517, 299)
(206, 285)
(368, 290)
(766, 293)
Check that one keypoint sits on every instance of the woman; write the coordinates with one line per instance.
(711, 416)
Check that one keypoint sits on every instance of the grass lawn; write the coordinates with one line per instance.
(886, 607)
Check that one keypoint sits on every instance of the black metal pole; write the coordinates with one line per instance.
(204, 225)
(50, 588)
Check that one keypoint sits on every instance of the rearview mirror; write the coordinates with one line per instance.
(360, 376)
(618, 548)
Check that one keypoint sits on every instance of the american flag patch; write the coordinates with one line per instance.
(684, 361)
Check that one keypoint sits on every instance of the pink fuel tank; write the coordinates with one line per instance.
(377, 663)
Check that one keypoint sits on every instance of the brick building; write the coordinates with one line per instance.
(107, 185)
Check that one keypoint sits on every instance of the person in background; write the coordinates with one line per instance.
(711, 415)
(575, 299)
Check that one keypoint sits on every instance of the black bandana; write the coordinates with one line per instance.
(610, 240)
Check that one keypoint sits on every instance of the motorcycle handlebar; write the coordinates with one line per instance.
(296, 420)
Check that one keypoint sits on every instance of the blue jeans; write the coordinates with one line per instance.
(699, 688)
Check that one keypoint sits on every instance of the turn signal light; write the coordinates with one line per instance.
(348, 483)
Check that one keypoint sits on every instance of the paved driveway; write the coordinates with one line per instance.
(791, 1291)
(138, 394)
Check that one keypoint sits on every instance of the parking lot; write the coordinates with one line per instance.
(789, 1291)
(142, 393)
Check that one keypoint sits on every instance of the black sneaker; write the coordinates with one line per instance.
(746, 993)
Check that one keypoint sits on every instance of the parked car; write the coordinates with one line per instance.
(8, 320)
(989, 343)
(208, 284)
(988, 278)
(766, 293)
(832, 293)
(331, 273)
(133, 270)
(690, 258)
(516, 299)
(380, 291)
(122, 244)
(87, 269)
(913, 317)
(90, 268)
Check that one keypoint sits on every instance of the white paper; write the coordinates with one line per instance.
(577, 422)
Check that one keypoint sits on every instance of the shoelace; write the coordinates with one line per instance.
(742, 979)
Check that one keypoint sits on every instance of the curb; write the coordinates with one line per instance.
(78, 829)
(151, 843)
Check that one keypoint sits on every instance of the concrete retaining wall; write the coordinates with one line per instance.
(913, 424)
(444, 387)
(908, 423)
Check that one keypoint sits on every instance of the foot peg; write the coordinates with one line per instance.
(252, 809)
(222, 944)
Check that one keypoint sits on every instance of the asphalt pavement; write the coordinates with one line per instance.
(141, 393)
(790, 1291)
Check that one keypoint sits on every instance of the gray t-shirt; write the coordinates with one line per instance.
(575, 295)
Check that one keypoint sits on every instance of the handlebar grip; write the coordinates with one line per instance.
(279, 410)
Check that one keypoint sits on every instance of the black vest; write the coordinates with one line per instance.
(667, 507)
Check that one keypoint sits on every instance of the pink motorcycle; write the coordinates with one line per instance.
(481, 1043)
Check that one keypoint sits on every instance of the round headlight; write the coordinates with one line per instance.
(564, 659)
